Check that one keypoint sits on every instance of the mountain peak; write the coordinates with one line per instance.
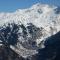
(40, 15)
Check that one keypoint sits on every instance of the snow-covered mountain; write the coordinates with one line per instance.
(44, 17)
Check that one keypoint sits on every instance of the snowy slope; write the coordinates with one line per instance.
(41, 15)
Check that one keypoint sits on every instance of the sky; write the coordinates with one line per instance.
(13, 5)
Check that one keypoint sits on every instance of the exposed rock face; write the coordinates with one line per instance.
(36, 24)
(8, 55)
(51, 50)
